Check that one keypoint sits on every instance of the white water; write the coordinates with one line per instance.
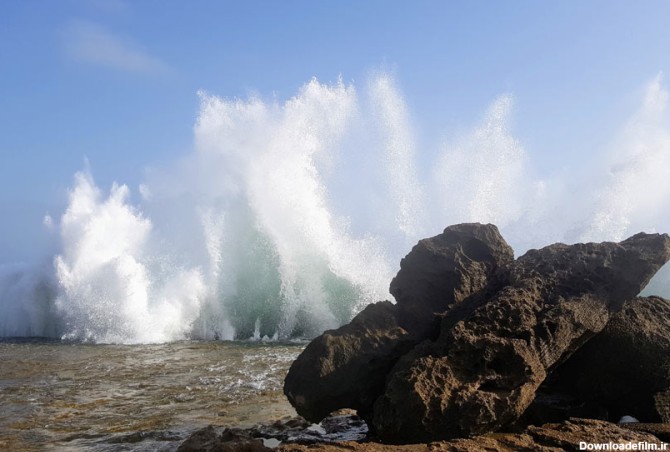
(288, 218)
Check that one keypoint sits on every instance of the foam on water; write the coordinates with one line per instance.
(288, 218)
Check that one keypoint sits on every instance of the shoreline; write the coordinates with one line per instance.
(572, 434)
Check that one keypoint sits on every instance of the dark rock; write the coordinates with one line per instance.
(347, 367)
(660, 431)
(551, 406)
(351, 446)
(624, 367)
(203, 439)
(341, 427)
(461, 264)
(482, 373)
(616, 271)
(230, 440)
(135, 437)
(473, 336)
(662, 404)
(565, 436)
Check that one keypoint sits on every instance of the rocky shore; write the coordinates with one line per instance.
(564, 436)
(482, 351)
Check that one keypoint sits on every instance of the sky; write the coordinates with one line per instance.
(113, 84)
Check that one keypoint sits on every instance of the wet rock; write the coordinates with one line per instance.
(339, 427)
(482, 373)
(230, 440)
(566, 436)
(296, 430)
(463, 264)
(347, 367)
(352, 446)
(137, 437)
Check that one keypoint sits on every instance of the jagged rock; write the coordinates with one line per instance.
(461, 264)
(347, 367)
(473, 335)
(627, 364)
(566, 436)
(482, 372)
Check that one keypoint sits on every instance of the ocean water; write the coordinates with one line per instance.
(80, 397)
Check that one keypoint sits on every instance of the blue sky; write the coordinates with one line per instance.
(115, 82)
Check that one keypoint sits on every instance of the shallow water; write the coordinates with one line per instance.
(57, 396)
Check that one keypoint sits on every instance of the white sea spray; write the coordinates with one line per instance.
(289, 217)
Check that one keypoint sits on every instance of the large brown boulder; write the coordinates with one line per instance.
(463, 264)
(625, 367)
(482, 372)
(347, 367)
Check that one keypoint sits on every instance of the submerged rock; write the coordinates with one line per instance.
(482, 373)
(230, 440)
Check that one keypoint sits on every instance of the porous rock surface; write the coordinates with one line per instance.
(473, 335)
(347, 367)
(482, 373)
(462, 265)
